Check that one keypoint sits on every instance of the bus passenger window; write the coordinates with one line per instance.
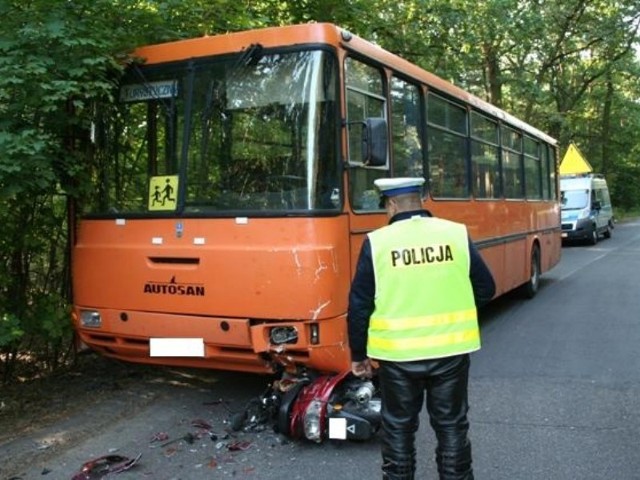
(364, 196)
(485, 166)
(405, 132)
(512, 166)
(548, 173)
(447, 148)
(365, 99)
(532, 169)
(553, 168)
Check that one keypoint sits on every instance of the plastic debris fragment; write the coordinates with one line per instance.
(102, 466)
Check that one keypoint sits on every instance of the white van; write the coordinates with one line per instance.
(586, 207)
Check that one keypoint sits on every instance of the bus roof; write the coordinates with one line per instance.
(321, 33)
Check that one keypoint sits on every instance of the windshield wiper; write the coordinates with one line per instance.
(250, 57)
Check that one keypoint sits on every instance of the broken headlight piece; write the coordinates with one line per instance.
(282, 335)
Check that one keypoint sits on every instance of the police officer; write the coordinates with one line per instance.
(412, 309)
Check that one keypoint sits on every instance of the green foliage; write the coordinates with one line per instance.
(625, 193)
(10, 330)
(56, 59)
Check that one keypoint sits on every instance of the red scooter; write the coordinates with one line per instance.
(316, 408)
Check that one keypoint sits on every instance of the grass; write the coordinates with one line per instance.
(623, 215)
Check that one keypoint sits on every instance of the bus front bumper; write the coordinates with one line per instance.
(227, 343)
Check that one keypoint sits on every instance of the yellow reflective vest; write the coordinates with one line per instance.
(424, 304)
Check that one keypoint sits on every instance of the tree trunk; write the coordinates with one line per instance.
(606, 125)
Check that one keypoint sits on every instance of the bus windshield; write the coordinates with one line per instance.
(574, 199)
(253, 133)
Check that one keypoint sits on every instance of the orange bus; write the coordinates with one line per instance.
(233, 187)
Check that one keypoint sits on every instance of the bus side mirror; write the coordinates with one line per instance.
(596, 205)
(374, 142)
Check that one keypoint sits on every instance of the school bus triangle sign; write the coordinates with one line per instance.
(574, 163)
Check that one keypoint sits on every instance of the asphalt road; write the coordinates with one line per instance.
(554, 393)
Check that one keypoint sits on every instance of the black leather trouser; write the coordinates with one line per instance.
(403, 386)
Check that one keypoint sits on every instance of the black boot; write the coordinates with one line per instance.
(455, 464)
(404, 470)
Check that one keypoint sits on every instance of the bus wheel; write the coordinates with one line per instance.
(594, 236)
(607, 232)
(533, 284)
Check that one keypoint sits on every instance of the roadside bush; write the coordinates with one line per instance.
(35, 330)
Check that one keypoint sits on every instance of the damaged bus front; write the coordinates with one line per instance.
(214, 236)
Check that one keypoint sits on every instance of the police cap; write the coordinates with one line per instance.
(390, 187)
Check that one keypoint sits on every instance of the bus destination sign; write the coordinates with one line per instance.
(149, 91)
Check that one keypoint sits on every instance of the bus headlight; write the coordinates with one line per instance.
(90, 318)
(312, 417)
(280, 335)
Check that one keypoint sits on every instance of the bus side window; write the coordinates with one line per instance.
(365, 99)
(447, 147)
(405, 129)
(546, 176)
(532, 169)
(512, 163)
(485, 165)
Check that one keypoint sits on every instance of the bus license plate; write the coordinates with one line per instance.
(176, 347)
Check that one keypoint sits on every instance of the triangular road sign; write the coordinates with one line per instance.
(574, 163)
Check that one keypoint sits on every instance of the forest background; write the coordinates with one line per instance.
(570, 68)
